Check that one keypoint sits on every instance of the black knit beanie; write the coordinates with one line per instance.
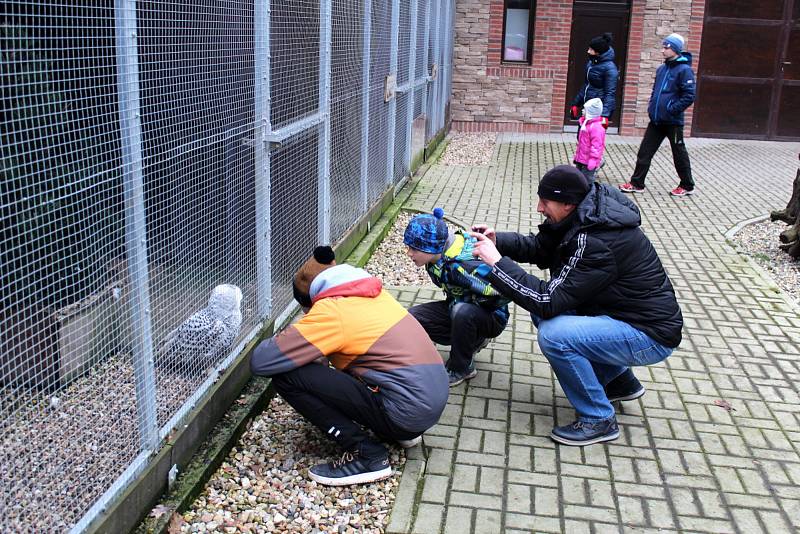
(563, 183)
(601, 43)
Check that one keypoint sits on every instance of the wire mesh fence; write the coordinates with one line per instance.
(166, 167)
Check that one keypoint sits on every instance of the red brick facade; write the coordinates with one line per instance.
(491, 96)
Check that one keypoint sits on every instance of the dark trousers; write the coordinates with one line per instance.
(338, 404)
(653, 137)
(464, 327)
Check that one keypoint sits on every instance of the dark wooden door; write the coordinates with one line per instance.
(589, 19)
(748, 80)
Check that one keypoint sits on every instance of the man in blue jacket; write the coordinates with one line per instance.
(673, 92)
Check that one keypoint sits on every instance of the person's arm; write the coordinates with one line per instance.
(686, 91)
(597, 142)
(610, 91)
(527, 249)
(588, 271)
(317, 334)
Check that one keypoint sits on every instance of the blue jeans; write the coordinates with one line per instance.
(586, 353)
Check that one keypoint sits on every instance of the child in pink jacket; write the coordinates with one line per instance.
(591, 140)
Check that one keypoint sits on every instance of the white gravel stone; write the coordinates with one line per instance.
(390, 262)
(469, 149)
(278, 500)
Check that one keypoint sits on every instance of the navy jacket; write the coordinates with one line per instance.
(600, 263)
(601, 82)
(673, 90)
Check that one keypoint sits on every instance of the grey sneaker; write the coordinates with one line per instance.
(581, 433)
(408, 443)
(456, 377)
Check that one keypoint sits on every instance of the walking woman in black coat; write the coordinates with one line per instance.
(601, 79)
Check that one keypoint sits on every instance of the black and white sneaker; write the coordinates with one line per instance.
(365, 463)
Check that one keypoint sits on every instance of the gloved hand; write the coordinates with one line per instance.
(604, 122)
(574, 112)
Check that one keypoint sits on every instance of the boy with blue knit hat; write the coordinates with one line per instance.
(673, 92)
(473, 311)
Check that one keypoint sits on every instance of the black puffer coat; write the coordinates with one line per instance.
(601, 82)
(600, 262)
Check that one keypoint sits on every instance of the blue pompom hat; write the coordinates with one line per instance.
(427, 233)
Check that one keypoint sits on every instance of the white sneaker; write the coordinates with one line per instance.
(408, 443)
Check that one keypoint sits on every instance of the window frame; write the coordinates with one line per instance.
(531, 17)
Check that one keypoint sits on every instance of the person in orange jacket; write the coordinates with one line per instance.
(357, 359)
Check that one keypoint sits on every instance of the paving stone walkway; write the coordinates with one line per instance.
(683, 462)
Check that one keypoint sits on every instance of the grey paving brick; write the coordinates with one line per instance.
(491, 480)
(531, 523)
(435, 488)
(488, 522)
(465, 477)
(458, 520)
(440, 462)
(428, 518)
(477, 500)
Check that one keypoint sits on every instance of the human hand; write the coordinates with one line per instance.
(485, 249)
(486, 230)
(604, 122)
(574, 112)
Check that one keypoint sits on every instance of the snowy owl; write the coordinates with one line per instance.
(206, 335)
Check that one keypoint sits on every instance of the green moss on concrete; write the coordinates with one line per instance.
(190, 483)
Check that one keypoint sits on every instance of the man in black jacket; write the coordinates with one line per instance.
(608, 305)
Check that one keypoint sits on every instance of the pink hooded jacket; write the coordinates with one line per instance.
(591, 139)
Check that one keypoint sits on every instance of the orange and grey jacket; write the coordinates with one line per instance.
(365, 332)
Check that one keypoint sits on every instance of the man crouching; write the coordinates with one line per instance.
(384, 374)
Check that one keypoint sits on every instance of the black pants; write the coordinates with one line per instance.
(338, 404)
(653, 137)
(464, 328)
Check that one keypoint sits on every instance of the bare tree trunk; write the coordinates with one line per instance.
(790, 238)
(792, 210)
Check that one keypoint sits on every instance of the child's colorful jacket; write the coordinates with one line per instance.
(365, 332)
(591, 142)
(461, 276)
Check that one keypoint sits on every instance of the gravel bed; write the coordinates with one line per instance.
(760, 242)
(469, 149)
(60, 452)
(263, 485)
(390, 263)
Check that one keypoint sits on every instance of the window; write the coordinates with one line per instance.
(518, 30)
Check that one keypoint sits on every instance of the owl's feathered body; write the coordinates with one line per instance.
(200, 341)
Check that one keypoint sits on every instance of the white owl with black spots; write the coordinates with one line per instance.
(207, 335)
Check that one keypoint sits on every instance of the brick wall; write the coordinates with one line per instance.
(491, 96)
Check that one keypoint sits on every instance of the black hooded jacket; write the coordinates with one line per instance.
(600, 262)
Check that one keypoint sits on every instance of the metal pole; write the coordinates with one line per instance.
(412, 65)
(440, 59)
(437, 62)
(395, 28)
(135, 221)
(446, 58)
(324, 190)
(261, 15)
(365, 54)
(425, 73)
